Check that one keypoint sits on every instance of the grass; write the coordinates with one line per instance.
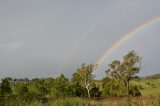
(152, 87)
(141, 101)
(149, 86)
(105, 102)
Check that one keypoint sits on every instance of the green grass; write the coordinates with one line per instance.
(149, 86)
(91, 102)
(85, 102)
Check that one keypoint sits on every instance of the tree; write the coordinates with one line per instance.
(62, 86)
(22, 89)
(49, 84)
(38, 87)
(131, 66)
(76, 87)
(5, 88)
(86, 77)
(112, 87)
(123, 72)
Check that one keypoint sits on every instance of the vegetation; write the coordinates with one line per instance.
(120, 73)
(120, 87)
(86, 77)
(148, 87)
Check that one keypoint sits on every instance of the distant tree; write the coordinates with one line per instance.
(49, 84)
(9, 79)
(22, 89)
(43, 91)
(38, 86)
(5, 88)
(86, 77)
(62, 86)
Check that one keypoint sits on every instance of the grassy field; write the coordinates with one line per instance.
(107, 102)
(140, 101)
(149, 87)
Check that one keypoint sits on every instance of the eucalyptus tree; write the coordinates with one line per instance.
(131, 66)
(124, 71)
(113, 83)
(86, 77)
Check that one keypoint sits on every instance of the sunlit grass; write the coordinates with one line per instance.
(149, 87)
(139, 101)
(105, 102)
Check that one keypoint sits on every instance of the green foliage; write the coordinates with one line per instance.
(77, 90)
(86, 77)
(95, 92)
(112, 87)
(5, 88)
(134, 91)
(120, 74)
(62, 86)
(22, 89)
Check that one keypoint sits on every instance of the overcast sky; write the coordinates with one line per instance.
(44, 38)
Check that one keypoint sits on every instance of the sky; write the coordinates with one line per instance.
(44, 38)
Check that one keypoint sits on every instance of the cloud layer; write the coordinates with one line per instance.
(46, 38)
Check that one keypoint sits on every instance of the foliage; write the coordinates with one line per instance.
(62, 86)
(120, 73)
(86, 77)
(134, 91)
(77, 90)
(5, 88)
(112, 88)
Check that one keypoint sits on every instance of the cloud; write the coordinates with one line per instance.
(37, 38)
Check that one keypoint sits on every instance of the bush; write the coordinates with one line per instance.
(134, 91)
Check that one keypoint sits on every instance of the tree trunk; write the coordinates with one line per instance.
(89, 96)
(128, 87)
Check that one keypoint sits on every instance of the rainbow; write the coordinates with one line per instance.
(86, 35)
(127, 36)
(89, 32)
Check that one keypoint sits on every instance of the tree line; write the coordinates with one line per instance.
(82, 83)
